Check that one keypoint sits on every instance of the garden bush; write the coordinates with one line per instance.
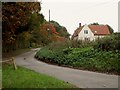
(101, 55)
(81, 58)
(108, 43)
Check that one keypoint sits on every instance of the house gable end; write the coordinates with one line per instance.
(86, 33)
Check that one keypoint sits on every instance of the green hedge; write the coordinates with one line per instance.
(85, 58)
(108, 43)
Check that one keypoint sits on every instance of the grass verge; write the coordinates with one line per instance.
(24, 78)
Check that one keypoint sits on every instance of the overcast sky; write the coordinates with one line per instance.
(70, 13)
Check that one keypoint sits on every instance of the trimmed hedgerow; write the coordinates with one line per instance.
(82, 58)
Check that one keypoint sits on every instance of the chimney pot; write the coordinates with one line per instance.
(79, 24)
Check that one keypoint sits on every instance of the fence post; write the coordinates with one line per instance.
(14, 64)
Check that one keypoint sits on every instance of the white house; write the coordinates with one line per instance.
(90, 32)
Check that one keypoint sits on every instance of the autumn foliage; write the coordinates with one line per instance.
(15, 18)
(24, 27)
(48, 26)
(15, 15)
(51, 32)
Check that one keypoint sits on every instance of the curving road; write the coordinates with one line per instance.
(80, 78)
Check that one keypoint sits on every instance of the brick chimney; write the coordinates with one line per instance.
(79, 24)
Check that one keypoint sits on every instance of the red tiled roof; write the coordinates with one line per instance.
(96, 29)
(77, 31)
(99, 29)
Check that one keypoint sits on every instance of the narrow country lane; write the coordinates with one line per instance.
(80, 78)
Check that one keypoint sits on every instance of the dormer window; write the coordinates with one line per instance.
(85, 31)
(95, 32)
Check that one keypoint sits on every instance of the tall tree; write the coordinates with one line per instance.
(60, 29)
(96, 23)
(16, 15)
(110, 29)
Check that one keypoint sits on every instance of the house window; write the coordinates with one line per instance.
(85, 31)
(87, 39)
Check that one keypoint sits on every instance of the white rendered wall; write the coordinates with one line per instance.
(82, 35)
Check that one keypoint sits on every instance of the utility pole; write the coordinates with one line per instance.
(41, 1)
(49, 15)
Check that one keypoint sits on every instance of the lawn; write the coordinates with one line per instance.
(24, 78)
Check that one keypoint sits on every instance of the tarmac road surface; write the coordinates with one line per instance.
(79, 78)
